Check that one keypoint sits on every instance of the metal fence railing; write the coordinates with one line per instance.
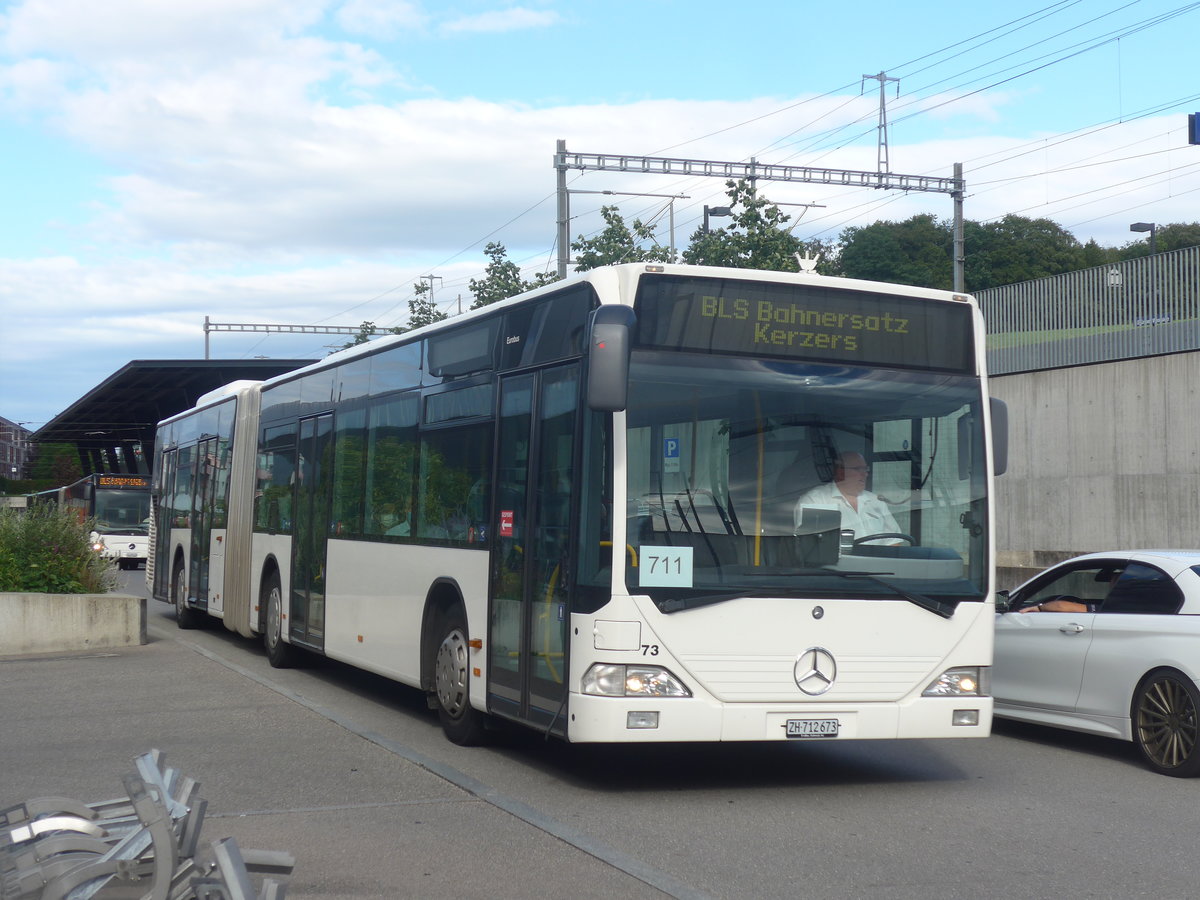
(1139, 307)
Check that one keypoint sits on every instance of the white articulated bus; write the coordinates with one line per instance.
(580, 509)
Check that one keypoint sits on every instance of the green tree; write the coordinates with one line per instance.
(916, 251)
(1095, 255)
(619, 243)
(56, 465)
(421, 308)
(920, 251)
(1015, 249)
(502, 278)
(367, 330)
(755, 238)
(1166, 239)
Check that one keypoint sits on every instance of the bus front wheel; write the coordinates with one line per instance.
(281, 655)
(462, 723)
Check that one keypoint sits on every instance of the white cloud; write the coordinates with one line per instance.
(147, 29)
(380, 18)
(516, 18)
(983, 107)
(32, 84)
(267, 172)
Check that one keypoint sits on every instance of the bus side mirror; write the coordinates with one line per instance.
(970, 454)
(999, 435)
(609, 339)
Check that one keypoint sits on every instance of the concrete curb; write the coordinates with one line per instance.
(52, 623)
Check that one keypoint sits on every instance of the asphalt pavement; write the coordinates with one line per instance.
(364, 816)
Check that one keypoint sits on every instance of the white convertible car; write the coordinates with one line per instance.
(1109, 644)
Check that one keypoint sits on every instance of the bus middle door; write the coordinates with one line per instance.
(200, 547)
(313, 489)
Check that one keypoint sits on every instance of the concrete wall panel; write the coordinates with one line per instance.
(1103, 456)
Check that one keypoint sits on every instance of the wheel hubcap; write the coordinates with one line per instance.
(451, 673)
(273, 617)
(1167, 723)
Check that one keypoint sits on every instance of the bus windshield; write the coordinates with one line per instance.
(122, 512)
(733, 468)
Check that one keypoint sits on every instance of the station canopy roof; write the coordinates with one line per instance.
(125, 408)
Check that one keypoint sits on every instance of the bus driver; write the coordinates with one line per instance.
(862, 512)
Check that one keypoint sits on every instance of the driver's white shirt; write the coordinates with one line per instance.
(871, 517)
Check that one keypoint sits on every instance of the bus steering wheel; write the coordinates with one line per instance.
(912, 541)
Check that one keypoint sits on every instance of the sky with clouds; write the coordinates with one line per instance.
(308, 161)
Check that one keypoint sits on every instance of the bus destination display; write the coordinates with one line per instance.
(798, 322)
(123, 481)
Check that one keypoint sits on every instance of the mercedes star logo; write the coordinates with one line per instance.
(815, 671)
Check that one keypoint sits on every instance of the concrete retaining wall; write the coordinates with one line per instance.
(1101, 457)
(54, 623)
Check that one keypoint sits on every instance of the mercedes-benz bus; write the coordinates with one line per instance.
(118, 505)
(581, 509)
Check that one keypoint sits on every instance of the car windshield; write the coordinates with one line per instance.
(749, 477)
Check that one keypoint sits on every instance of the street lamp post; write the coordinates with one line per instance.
(1143, 227)
(715, 211)
(1155, 295)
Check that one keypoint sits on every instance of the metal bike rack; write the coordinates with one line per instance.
(54, 848)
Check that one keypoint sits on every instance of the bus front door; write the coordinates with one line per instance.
(313, 487)
(530, 589)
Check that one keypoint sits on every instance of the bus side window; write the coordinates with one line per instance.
(454, 484)
(391, 453)
(276, 473)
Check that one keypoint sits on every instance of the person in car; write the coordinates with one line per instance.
(1059, 604)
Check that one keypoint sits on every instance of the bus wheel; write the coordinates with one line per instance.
(281, 655)
(185, 616)
(462, 723)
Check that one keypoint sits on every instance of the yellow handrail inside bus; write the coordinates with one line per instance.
(629, 548)
(758, 500)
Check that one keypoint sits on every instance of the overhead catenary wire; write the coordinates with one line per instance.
(955, 87)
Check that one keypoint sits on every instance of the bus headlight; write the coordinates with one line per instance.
(608, 680)
(965, 681)
(97, 546)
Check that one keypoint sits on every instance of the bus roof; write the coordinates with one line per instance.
(618, 280)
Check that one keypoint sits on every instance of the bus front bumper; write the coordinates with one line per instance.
(593, 719)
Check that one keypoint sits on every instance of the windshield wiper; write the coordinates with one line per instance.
(937, 607)
(677, 603)
(941, 608)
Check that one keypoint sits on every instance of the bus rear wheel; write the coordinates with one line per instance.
(185, 616)
(281, 655)
(462, 723)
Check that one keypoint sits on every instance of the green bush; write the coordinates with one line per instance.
(47, 550)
